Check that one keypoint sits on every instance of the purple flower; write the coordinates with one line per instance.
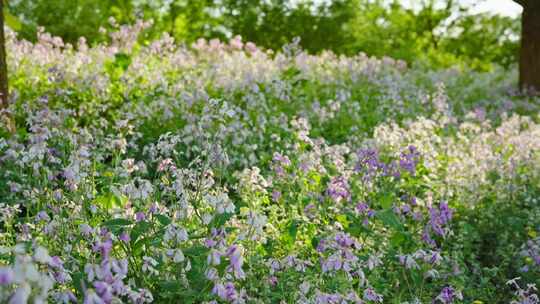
(104, 291)
(273, 280)
(42, 216)
(154, 208)
(280, 163)
(120, 267)
(281, 159)
(338, 189)
(309, 210)
(124, 237)
(85, 229)
(368, 162)
(56, 262)
(321, 247)
(65, 296)
(226, 292)
(6, 275)
(426, 238)
(439, 218)
(165, 165)
(480, 113)
(214, 257)
(236, 260)
(91, 297)
(435, 258)
(371, 295)
(332, 263)
(276, 195)
(409, 159)
(344, 240)
(448, 295)
(362, 207)
(140, 216)
(103, 247)
(210, 243)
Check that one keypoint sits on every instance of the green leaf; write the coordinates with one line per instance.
(116, 225)
(386, 200)
(196, 251)
(122, 61)
(117, 222)
(342, 219)
(389, 218)
(103, 201)
(356, 229)
(78, 280)
(119, 200)
(220, 220)
(315, 241)
(140, 228)
(171, 286)
(118, 66)
(397, 239)
(292, 229)
(164, 220)
(12, 21)
(111, 200)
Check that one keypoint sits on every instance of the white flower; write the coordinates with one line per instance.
(42, 255)
(21, 295)
(305, 287)
(178, 256)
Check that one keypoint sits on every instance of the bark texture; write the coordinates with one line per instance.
(529, 62)
(3, 63)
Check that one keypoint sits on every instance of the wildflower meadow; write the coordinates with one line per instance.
(223, 172)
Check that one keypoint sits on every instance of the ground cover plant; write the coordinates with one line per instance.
(224, 173)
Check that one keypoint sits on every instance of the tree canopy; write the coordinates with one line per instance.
(445, 35)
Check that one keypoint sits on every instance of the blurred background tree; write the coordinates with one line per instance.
(4, 87)
(437, 32)
(3, 63)
(529, 65)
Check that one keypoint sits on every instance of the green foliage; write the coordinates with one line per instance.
(67, 19)
(439, 35)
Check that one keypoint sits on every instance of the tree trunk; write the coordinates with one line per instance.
(529, 62)
(3, 63)
(5, 118)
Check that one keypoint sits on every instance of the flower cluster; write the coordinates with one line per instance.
(225, 173)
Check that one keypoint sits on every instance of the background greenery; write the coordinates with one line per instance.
(441, 33)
